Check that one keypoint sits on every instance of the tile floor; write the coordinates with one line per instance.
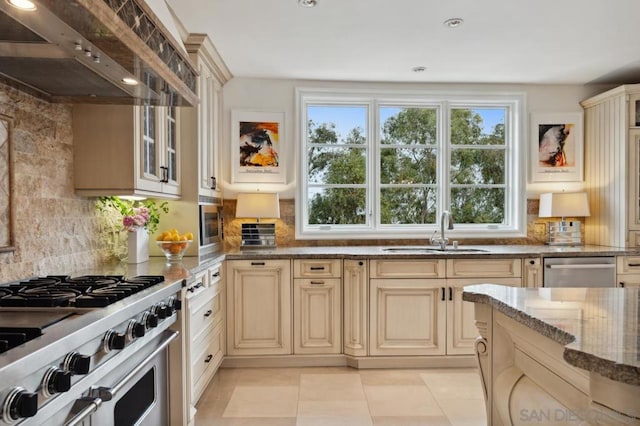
(333, 396)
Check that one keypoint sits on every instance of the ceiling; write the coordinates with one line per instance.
(501, 41)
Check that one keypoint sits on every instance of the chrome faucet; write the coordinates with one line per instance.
(443, 241)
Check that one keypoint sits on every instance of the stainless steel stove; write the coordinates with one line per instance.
(86, 350)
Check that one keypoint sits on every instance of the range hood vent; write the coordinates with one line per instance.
(78, 51)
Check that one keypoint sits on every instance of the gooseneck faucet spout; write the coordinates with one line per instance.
(445, 218)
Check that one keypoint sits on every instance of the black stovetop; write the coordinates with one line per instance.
(59, 291)
(89, 291)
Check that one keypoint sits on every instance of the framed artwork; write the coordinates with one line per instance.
(557, 147)
(257, 146)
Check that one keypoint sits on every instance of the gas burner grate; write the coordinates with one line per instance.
(89, 291)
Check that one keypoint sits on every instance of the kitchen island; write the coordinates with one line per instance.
(558, 355)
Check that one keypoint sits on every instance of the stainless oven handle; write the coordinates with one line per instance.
(92, 407)
(584, 266)
(107, 393)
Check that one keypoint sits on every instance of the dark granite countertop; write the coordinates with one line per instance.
(600, 327)
(399, 252)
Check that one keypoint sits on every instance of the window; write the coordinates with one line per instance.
(382, 166)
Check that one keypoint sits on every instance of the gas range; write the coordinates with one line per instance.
(67, 342)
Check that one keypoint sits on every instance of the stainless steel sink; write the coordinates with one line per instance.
(436, 249)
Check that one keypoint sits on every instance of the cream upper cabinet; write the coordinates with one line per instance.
(258, 307)
(204, 120)
(612, 167)
(126, 150)
(355, 283)
(317, 308)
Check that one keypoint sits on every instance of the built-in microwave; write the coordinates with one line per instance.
(211, 227)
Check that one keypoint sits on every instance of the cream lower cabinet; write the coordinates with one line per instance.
(407, 308)
(416, 305)
(407, 317)
(204, 332)
(317, 308)
(628, 271)
(461, 329)
(355, 283)
(258, 307)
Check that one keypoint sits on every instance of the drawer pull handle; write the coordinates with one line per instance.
(208, 313)
(317, 268)
(442, 293)
(317, 282)
(216, 274)
(195, 287)
(634, 265)
(450, 293)
(208, 359)
(257, 263)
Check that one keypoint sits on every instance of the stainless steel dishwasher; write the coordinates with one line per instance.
(597, 271)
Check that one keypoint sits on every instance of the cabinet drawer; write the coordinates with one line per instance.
(407, 268)
(205, 311)
(481, 268)
(628, 265)
(206, 361)
(215, 274)
(309, 268)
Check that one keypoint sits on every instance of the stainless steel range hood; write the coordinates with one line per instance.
(78, 51)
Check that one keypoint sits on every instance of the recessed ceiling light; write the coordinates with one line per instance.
(308, 3)
(22, 4)
(419, 69)
(130, 81)
(453, 22)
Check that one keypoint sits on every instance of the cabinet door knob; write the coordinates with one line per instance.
(622, 284)
(450, 293)
(442, 293)
(208, 313)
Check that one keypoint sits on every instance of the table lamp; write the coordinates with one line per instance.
(258, 205)
(563, 205)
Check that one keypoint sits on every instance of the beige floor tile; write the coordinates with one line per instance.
(335, 421)
(447, 385)
(391, 377)
(263, 401)
(331, 387)
(208, 411)
(464, 412)
(251, 421)
(402, 401)
(333, 409)
(411, 421)
(269, 376)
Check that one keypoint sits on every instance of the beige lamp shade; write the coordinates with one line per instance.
(260, 205)
(564, 204)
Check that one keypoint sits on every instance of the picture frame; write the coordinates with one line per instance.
(557, 147)
(257, 142)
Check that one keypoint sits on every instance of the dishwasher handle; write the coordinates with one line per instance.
(583, 266)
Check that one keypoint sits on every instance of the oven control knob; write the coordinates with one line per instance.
(161, 311)
(175, 303)
(19, 404)
(150, 320)
(76, 363)
(135, 329)
(55, 381)
(114, 340)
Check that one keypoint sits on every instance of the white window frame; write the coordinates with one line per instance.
(515, 173)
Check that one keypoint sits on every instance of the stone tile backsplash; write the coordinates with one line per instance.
(55, 230)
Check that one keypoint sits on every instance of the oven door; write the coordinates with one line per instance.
(136, 393)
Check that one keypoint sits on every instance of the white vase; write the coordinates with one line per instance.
(138, 245)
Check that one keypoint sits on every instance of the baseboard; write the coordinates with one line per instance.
(268, 361)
